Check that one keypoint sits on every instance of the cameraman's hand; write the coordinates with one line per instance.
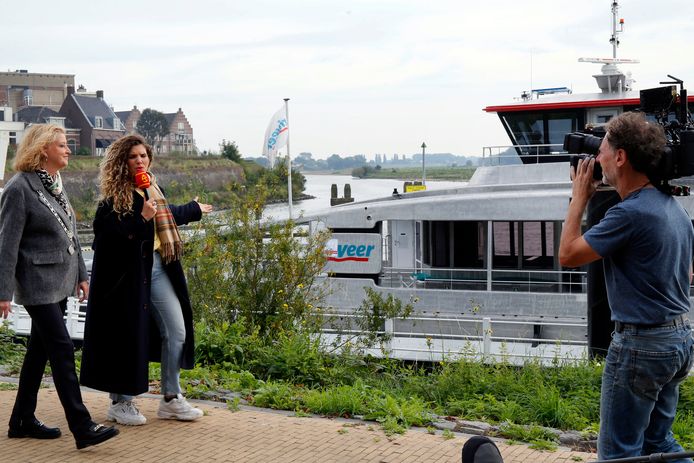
(584, 185)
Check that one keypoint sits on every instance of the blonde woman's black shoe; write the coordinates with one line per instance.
(95, 434)
(34, 429)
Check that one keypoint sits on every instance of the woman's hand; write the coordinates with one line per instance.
(5, 308)
(83, 290)
(149, 209)
(205, 208)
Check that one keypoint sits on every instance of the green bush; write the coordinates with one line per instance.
(292, 356)
(243, 268)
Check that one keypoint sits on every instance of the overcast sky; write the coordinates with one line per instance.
(363, 76)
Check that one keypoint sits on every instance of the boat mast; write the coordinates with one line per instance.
(612, 79)
(614, 40)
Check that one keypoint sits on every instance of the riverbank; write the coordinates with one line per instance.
(449, 173)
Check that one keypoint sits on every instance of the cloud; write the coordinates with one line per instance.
(364, 76)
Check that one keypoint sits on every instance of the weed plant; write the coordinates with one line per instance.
(12, 350)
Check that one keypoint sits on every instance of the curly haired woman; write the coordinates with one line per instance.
(138, 309)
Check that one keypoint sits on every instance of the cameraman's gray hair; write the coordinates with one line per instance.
(644, 142)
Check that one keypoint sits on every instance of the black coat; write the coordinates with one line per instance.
(120, 335)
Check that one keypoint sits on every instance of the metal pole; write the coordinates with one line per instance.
(647, 458)
(424, 169)
(289, 161)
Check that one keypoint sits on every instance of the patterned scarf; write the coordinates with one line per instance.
(55, 187)
(171, 245)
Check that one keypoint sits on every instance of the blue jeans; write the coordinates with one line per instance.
(168, 315)
(640, 390)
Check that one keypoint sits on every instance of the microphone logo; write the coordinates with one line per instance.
(142, 180)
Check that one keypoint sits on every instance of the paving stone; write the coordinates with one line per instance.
(247, 435)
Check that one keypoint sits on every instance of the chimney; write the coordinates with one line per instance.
(70, 90)
(100, 94)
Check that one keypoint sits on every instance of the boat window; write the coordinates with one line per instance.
(453, 244)
(538, 245)
(441, 244)
(558, 127)
(468, 244)
(541, 128)
(505, 244)
(523, 245)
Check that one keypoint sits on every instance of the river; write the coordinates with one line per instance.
(362, 189)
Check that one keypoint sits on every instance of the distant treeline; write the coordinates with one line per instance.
(306, 162)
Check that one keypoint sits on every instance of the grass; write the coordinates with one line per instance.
(415, 173)
(525, 403)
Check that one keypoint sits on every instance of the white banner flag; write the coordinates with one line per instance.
(4, 143)
(276, 135)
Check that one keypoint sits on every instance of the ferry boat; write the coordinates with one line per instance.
(482, 260)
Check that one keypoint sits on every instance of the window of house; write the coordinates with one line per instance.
(59, 121)
(13, 138)
(99, 122)
(116, 124)
(2, 116)
(181, 127)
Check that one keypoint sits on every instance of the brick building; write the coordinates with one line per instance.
(21, 88)
(99, 126)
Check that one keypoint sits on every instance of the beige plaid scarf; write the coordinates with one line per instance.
(171, 245)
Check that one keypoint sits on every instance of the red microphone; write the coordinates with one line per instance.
(142, 182)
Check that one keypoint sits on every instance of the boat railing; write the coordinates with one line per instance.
(508, 154)
(483, 338)
(74, 318)
(481, 279)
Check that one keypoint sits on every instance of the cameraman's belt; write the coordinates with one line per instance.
(679, 320)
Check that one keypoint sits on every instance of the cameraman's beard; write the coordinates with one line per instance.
(606, 179)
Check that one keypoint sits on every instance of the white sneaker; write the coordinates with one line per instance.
(126, 413)
(178, 409)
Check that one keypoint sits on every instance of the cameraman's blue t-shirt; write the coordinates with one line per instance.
(646, 243)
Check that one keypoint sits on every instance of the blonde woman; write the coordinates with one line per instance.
(41, 265)
(138, 309)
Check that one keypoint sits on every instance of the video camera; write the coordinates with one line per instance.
(660, 104)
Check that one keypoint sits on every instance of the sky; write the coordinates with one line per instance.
(362, 76)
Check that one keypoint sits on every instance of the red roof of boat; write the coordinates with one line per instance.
(568, 102)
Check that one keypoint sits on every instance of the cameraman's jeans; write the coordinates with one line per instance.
(640, 390)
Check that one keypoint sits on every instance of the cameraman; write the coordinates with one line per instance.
(646, 242)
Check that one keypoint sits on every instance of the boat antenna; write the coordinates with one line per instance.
(612, 79)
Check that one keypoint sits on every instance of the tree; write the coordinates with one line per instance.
(229, 150)
(153, 126)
